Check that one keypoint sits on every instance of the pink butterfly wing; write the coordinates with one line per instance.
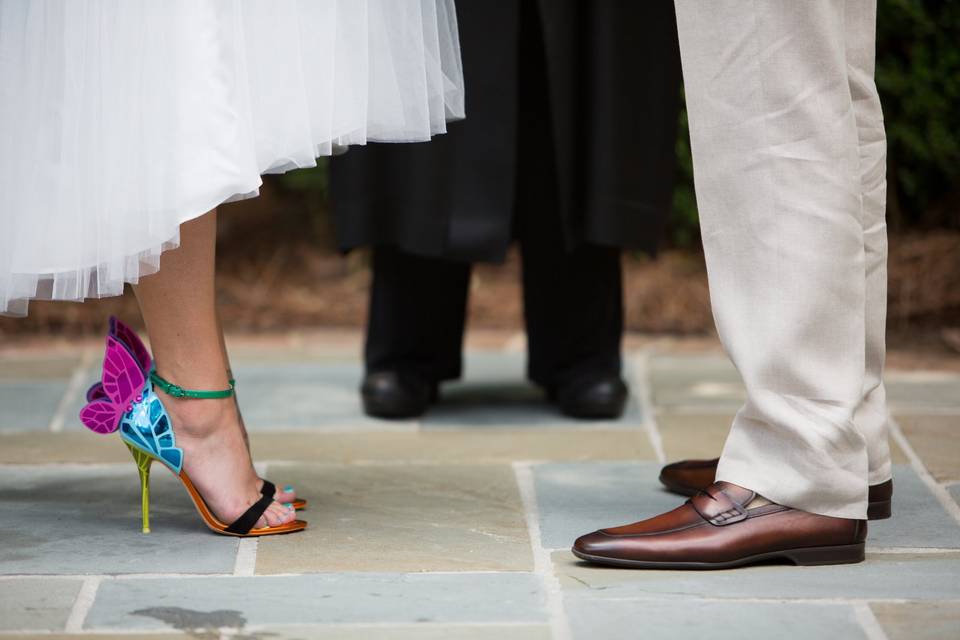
(96, 392)
(123, 378)
(101, 416)
(129, 337)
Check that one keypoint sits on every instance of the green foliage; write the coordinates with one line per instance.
(684, 223)
(918, 77)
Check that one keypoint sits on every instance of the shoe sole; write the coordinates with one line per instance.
(581, 412)
(391, 411)
(880, 510)
(806, 557)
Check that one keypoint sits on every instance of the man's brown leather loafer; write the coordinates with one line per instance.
(715, 530)
(687, 477)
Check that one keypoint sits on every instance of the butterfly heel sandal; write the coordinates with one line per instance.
(129, 339)
(131, 406)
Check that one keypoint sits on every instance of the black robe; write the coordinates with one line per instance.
(611, 85)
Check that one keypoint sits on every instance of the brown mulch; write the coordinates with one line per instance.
(278, 275)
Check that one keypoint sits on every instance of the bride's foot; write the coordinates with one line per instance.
(217, 460)
(284, 495)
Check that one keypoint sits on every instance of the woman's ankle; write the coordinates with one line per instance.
(199, 418)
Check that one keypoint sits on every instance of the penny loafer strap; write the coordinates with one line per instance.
(718, 508)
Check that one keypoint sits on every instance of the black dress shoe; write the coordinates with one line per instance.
(599, 398)
(391, 394)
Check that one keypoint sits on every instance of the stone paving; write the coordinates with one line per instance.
(454, 526)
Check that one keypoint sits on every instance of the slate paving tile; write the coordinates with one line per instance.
(500, 445)
(76, 520)
(202, 603)
(695, 381)
(494, 393)
(114, 636)
(47, 366)
(908, 390)
(926, 576)
(954, 491)
(43, 447)
(687, 436)
(936, 439)
(579, 497)
(29, 405)
(919, 520)
(415, 631)
(110, 636)
(306, 396)
(419, 631)
(36, 604)
(592, 618)
(918, 620)
(402, 518)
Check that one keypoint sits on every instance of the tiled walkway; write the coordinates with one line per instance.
(454, 526)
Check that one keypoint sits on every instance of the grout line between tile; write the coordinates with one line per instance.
(73, 388)
(542, 560)
(945, 499)
(697, 409)
(868, 622)
(245, 563)
(641, 380)
(912, 550)
(245, 631)
(120, 577)
(83, 604)
(906, 410)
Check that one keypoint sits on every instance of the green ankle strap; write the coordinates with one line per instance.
(179, 392)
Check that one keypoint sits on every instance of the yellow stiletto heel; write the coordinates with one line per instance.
(143, 466)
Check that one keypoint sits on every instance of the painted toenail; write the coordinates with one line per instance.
(288, 505)
(288, 488)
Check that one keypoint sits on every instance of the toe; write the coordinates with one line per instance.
(285, 494)
(278, 514)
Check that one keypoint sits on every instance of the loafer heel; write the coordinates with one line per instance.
(814, 556)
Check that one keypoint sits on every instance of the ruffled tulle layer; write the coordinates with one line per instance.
(122, 119)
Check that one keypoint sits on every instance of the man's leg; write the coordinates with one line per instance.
(414, 332)
(573, 308)
(573, 300)
(777, 163)
(872, 416)
(777, 169)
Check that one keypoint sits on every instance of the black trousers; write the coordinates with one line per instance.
(573, 311)
(573, 301)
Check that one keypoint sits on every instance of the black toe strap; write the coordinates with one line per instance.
(244, 523)
(268, 489)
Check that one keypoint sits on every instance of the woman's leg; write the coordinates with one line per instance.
(179, 309)
(282, 495)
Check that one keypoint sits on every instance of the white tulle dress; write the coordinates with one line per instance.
(122, 119)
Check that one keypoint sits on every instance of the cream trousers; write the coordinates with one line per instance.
(789, 156)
